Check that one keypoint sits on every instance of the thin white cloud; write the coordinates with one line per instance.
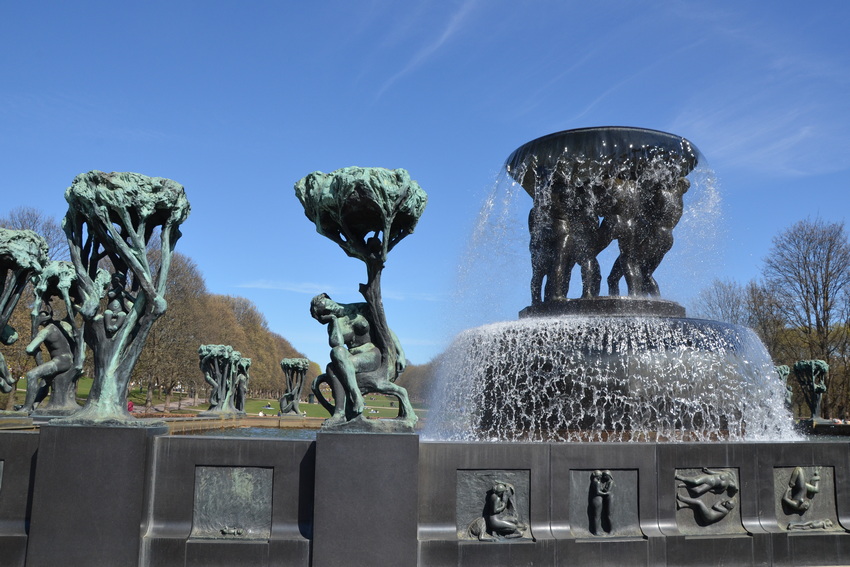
(454, 25)
(773, 110)
(766, 132)
(407, 341)
(307, 288)
(64, 112)
(412, 296)
(672, 55)
(315, 288)
(537, 97)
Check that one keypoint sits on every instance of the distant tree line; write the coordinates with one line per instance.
(799, 307)
(169, 362)
(417, 379)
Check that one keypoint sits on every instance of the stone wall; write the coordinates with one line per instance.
(135, 496)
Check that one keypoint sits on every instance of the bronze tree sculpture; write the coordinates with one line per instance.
(23, 254)
(812, 376)
(294, 369)
(366, 211)
(112, 219)
(220, 365)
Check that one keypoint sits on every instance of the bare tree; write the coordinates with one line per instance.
(808, 268)
(754, 305)
(765, 317)
(30, 218)
(808, 271)
(170, 355)
(723, 300)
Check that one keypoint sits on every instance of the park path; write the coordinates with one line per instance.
(160, 408)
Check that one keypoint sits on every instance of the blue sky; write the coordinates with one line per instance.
(237, 101)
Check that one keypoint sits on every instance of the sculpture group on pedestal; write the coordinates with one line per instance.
(571, 223)
(23, 254)
(63, 339)
(366, 211)
(111, 292)
(812, 375)
(586, 198)
(294, 369)
(112, 219)
(226, 371)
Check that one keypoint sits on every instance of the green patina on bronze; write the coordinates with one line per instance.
(783, 371)
(813, 377)
(366, 211)
(23, 250)
(352, 203)
(23, 255)
(113, 217)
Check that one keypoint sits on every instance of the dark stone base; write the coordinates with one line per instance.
(202, 553)
(88, 495)
(174, 511)
(366, 509)
(824, 427)
(810, 549)
(55, 412)
(362, 424)
(17, 472)
(609, 306)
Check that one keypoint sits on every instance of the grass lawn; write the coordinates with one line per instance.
(380, 404)
(383, 406)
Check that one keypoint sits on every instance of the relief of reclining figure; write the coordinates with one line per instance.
(721, 482)
(715, 513)
(716, 481)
